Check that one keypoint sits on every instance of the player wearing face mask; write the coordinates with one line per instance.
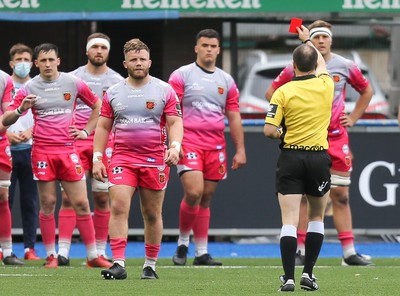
(20, 137)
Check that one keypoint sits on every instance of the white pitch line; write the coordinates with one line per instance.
(23, 275)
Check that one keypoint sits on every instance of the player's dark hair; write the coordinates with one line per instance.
(208, 33)
(20, 48)
(45, 47)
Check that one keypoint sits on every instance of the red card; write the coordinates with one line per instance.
(294, 23)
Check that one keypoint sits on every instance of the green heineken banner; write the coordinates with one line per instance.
(179, 8)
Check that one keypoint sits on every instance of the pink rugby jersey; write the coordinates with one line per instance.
(53, 113)
(204, 97)
(6, 94)
(342, 71)
(139, 121)
(99, 85)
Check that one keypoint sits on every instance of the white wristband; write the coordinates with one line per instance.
(97, 156)
(176, 145)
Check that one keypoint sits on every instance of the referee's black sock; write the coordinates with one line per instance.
(313, 247)
(288, 245)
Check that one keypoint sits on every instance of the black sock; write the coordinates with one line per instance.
(288, 246)
(313, 247)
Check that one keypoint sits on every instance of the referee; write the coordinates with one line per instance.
(299, 115)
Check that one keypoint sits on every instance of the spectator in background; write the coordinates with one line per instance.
(7, 255)
(206, 94)
(343, 71)
(99, 77)
(299, 116)
(20, 136)
(143, 112)
(52, 96)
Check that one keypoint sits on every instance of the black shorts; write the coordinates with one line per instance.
(303, 172)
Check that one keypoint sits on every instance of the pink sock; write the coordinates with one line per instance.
(100, 222)
(187, 216)
(66, 224)
(48, 230)
(346, 238)
(118, 246)
(152, 251)
(201, 225)
(5, 225)
(85, 226)
(301, 239)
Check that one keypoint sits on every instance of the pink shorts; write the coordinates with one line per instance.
(340, 153)
(5, 156)
(211, 162)
(63, 166)
(154, 178)
(86, 155)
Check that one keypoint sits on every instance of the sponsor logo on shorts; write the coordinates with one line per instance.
(42, 164)
(8, 151)
(117, 170)
(221, 157)
(345, 149)
(109, 152)
(150, 159)
(322, 186)
(74, 158)
(191, 155)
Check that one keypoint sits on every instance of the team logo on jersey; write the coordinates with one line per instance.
(117, 170)
(42, 164)
(78, 169)
(67, 96)
(336, 78)
(221, 90)
(150, 105)
(162, 178)
(221, 169)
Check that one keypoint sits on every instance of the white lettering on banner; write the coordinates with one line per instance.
(187, 4)
(19, 3)
(364, 184)
(371, 4)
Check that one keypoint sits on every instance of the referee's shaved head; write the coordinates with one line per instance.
(305, 58)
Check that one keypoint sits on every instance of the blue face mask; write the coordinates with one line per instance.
(22, 69)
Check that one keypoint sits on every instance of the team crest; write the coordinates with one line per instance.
(347, 160)
(67, 96)
(221, 169)
(162, 178)
(336, 78)
(104, 92)
(78, 169)
(221, 90)
(150, 105)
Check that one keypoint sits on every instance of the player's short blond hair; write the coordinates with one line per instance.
(135, 45)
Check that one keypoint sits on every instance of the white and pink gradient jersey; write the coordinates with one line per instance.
(139, 116)
(342, 71)
(6, 94)
(99, 85)
(204, 97)
(54, 111)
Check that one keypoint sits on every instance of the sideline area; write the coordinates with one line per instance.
(232, 250)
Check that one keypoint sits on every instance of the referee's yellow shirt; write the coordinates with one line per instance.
(303, 107)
